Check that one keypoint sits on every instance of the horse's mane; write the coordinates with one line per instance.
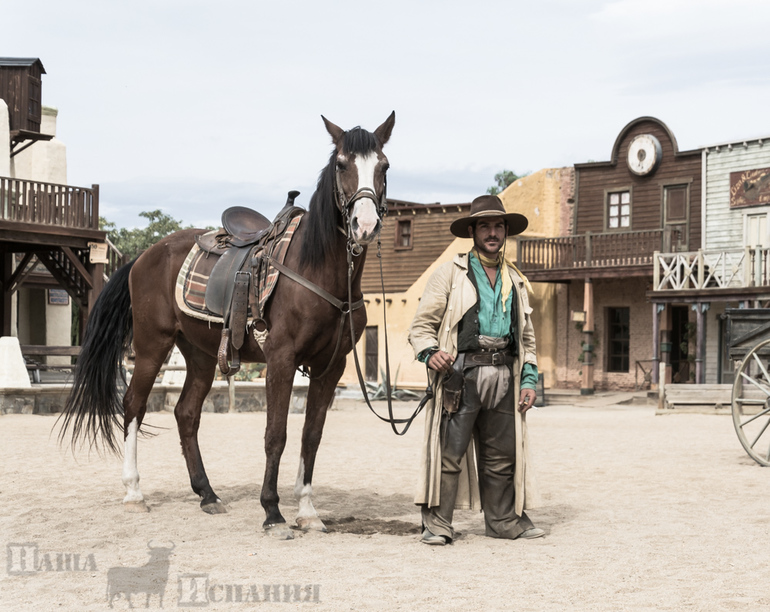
(322, 217)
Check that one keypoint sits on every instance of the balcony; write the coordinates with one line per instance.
(601, 255)
(738, 274)
(35, 216)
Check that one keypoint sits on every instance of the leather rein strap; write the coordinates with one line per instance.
(389, 393)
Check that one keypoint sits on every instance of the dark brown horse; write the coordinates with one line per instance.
(344, 215)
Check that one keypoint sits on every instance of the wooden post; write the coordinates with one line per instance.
(588, 339)
(231, 393)
(662, 386)
(700, 343)
(655, 343)
(665, 344)
(589, 255)
(6, 272)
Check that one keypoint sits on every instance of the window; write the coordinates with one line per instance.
(404, 234)
(756, 230)
(617, 339)
(619, 210)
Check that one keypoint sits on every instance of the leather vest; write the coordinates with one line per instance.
(468, 329)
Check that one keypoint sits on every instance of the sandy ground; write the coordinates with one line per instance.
(642, 512)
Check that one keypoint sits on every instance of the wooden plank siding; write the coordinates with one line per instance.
(430, 236)
(20, 87)
(595, 180)
(725, 226)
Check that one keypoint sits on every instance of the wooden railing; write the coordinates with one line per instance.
(26, 201)
(116, 259)
(591, 250)
(733, 268)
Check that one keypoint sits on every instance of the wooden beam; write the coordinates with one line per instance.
(58, 351)
(79, 266)
(21, 273)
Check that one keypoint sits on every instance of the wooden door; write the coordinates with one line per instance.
(676, 206)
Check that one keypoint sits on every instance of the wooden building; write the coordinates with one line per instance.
(49, 231)
(646, 198)
(413, 237)
(730, 267)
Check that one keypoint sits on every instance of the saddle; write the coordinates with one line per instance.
(245, 236)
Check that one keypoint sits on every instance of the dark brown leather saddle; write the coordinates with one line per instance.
(245, 233)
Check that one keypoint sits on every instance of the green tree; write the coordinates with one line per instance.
(503, 179)
(131, 242)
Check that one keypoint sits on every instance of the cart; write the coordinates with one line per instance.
(748, 345)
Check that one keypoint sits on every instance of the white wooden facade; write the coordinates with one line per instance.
(732, 266)
(728, 229)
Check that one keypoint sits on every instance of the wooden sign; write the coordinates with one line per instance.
(98, 253)
(750, 188)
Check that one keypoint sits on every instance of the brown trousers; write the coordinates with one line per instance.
(494, 430)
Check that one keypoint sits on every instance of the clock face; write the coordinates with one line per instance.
(644, 154)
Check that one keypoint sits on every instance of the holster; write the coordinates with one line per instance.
(452, 386)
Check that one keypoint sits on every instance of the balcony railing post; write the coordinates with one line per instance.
(748, 279)
(656, 270)
(588, 249)
(701, 270)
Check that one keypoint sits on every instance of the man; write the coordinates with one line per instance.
(473, 328)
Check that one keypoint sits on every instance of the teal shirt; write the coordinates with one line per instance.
(493, 321)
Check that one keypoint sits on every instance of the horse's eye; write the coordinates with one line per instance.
(341, 165)
(385, 167)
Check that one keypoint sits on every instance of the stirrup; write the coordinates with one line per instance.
(224, 367)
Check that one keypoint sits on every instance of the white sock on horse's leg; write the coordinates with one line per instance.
(307, 517)
(130, 471)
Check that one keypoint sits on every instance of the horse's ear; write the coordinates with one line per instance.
(335, 131)
(383, 132)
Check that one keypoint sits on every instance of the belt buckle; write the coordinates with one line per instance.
(494, 359)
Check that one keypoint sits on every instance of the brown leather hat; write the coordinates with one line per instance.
(489, 206)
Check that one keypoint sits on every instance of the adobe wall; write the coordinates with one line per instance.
(607, 293)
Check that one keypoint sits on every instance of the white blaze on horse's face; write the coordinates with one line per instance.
(365, 222)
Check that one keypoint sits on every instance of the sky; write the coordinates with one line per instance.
(190, 107)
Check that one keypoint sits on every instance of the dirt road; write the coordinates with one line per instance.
(642, 512)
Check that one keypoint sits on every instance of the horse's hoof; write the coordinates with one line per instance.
(217, 507)
(311, 523)
(279, 531)
(136, 507)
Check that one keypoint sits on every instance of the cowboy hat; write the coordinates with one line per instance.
(489, 206)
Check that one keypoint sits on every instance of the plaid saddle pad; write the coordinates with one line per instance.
(195, 272)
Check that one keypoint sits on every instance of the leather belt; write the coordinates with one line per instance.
(489, 357)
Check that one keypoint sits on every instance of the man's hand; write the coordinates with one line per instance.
(526, 400)
(440, 361)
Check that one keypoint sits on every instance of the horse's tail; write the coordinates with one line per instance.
(95, 402)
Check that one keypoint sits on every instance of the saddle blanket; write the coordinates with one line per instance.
(194, 274)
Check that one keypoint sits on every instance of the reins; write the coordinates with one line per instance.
(389, 395)
(346, 308)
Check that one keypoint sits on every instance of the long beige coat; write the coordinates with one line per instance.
(447, 297)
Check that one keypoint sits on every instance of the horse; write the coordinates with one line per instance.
(137, 307)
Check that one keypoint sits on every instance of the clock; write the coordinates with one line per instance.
(644, 154)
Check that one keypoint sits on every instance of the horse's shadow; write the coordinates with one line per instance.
(356, 511)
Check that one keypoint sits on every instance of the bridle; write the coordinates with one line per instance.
(344, 204)
(354, 250)
(346, 308)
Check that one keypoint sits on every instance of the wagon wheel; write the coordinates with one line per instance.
(751, 403)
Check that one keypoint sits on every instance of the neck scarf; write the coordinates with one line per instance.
(499, 263)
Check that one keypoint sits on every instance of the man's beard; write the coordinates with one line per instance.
(485, 248)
